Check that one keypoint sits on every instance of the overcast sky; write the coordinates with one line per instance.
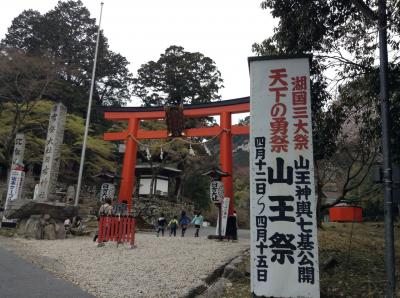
(141, 30)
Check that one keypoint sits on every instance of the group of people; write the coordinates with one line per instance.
(106, 209)
(76, 224)
(183, 222)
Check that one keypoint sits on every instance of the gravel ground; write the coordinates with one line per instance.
(158, 267)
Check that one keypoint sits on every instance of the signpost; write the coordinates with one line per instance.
(284, 244)
(222, 220)
(216, 191)
(217, 197)
(107, 191)
(217, 194)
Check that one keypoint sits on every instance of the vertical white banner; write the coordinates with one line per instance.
(15, 186)
(224, 211)
(16, 166)
(284, 244)
(14, 191)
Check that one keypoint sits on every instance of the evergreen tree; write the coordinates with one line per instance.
(178, 77)
(66, 35)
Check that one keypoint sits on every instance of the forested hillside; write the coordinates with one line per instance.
(40, 67)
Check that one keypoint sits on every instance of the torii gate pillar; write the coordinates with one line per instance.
(129, 165)
(226, 156)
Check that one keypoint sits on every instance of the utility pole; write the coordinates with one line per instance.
(387, 160)
(385, 119)
(78, 188)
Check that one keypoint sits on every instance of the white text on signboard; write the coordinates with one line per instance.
(224, 211)
(216, 191)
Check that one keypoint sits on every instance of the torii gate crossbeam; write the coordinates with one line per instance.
(133, 115)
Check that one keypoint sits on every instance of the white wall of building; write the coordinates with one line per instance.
(145, 183)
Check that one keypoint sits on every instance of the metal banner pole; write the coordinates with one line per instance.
(220, 222)
(78, 188)
(385, 118)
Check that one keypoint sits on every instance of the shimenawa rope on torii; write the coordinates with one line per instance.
(177, 139)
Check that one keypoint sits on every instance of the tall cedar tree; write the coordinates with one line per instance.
(343, 40)
(178, 77)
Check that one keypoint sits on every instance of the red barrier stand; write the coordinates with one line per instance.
(100, 232)
(108, 228)
(120, 229)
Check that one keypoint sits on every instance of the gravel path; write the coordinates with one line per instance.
(158, 267)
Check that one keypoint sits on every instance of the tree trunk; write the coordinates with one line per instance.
(180, 189)
(320, 195)
(152, 186)
(155, 185)
(319, 211)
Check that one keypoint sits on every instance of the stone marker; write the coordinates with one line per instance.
(70, 193)
(19, 151)
(51, 158)
(36, 192)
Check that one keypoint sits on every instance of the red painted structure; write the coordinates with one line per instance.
(117, 228)
(134, 115)
(345, 214)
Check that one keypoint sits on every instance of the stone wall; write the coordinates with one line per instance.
(41, 227)
(149, 209)
(88, 192)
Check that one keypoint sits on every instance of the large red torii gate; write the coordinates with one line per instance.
(134, 115)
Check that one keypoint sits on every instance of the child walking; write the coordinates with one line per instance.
(161, 224)
(197, 221)
(173, 224)
(184, 221)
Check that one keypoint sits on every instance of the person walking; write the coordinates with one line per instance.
(197, 221)
(173, 225)
(184, 221)
(162, 222)
(105, 210)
